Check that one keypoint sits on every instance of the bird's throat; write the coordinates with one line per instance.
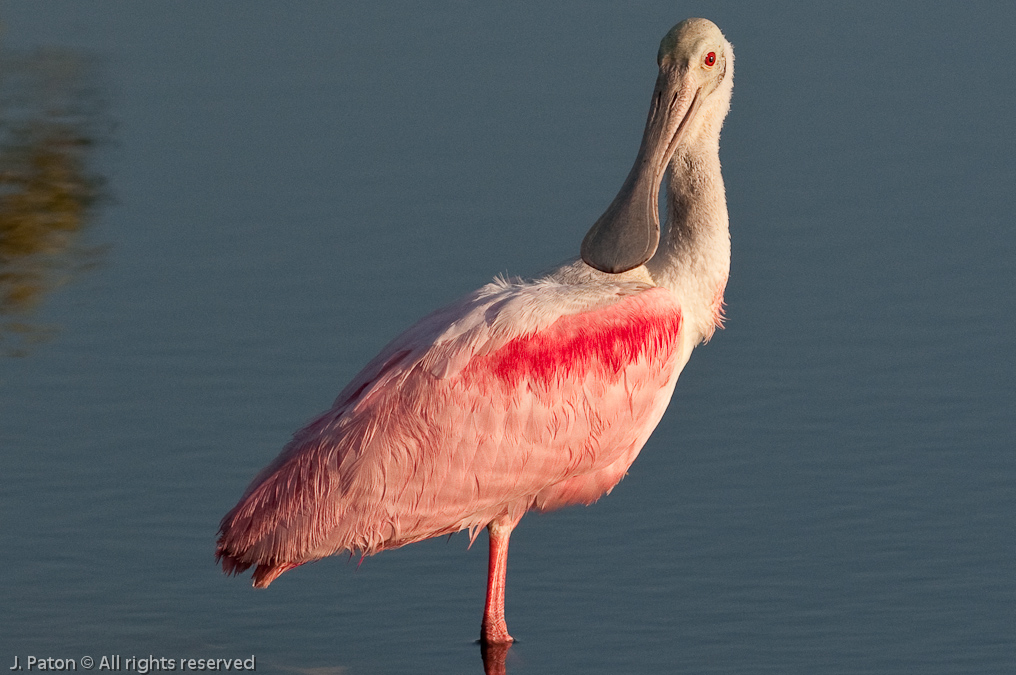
(694, 257)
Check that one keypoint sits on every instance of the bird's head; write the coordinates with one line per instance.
(691, 98)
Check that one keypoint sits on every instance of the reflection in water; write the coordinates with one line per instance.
(49, 122)
(494, 657)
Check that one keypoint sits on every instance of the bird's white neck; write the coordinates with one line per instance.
(693, 261)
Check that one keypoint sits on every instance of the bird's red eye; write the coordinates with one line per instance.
(711, 59)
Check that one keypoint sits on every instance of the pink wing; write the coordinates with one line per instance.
(519, 396)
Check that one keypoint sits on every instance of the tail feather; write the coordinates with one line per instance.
(265, 574)
(231, 565)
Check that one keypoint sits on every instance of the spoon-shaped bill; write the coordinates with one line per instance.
(628, 232)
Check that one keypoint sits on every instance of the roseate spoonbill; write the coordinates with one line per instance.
(523, 394)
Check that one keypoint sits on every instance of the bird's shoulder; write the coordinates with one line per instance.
(511, 312)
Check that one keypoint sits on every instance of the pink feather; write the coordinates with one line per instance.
(519, 396)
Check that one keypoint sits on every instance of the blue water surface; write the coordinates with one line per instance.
(287, 186)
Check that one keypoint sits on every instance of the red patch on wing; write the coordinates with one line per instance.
(646, 325)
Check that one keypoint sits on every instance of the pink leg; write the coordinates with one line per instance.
(494, 630)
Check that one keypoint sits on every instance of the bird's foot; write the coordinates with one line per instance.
(495, 633)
